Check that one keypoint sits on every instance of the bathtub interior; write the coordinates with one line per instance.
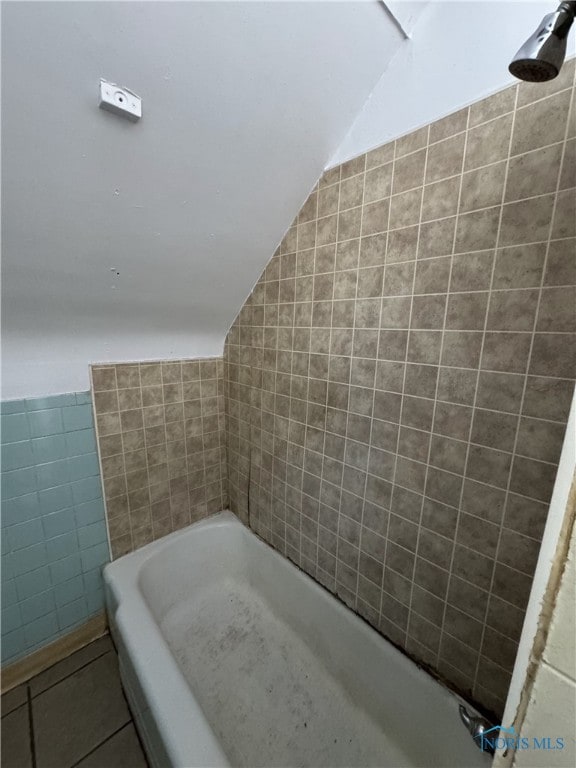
(193, 561)
(214, 577)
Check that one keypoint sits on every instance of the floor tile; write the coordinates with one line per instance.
(14, 699)
(78, 713)
(122, 750)
(69, 665)
(16, 751)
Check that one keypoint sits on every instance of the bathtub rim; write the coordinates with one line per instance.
(163, 686)
(123, 576)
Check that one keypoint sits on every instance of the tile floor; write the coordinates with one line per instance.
(72, 715)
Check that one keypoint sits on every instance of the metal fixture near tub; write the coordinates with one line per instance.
(477, 726)
(542, 55)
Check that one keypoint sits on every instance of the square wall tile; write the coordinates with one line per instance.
(45, 422)
(465, 271)
(161, 437)
(52, 509)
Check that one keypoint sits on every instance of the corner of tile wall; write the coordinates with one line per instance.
(398, 381)
(54, 540)
(160, 429)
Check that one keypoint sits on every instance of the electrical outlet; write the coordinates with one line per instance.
(120, 100)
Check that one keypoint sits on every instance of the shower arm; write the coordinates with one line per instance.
(569, 6)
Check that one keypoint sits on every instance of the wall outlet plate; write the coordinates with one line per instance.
(120, 100)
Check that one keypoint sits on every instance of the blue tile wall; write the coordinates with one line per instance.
(54, 540)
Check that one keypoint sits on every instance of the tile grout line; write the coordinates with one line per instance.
(365, 484)
(185, 441)
(395, 461)
(314, 275)
(524, 374)
(370, 446)
(65, 677)
(404, 394)
(482, 408)
(527, 371)
(465, 211)
(493, 251)
(308, 352)
(97, 747)
(472, 406)
(100, 459)
(433, 415)
(309, 346)
(463, 546)
(394, 483)
(31, 725)
(429, 258)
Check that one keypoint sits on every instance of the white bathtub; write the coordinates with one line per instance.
(232, 656)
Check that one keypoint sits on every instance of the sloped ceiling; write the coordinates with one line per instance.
(244, 104)
(458, 53)
(406, 13)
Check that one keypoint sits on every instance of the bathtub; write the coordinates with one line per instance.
(231, 656)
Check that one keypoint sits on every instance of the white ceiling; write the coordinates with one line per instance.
(243, 106)
(245, 103)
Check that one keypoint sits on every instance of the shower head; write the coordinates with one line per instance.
(542, 55)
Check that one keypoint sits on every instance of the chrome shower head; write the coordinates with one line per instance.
(542, 55)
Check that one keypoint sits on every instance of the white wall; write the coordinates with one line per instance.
(552, 707)
(244, 104)
(458, 53)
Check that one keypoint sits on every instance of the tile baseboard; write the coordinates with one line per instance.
(26, 668)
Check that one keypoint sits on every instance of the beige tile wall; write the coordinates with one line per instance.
(160, 431)
(397, 383)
